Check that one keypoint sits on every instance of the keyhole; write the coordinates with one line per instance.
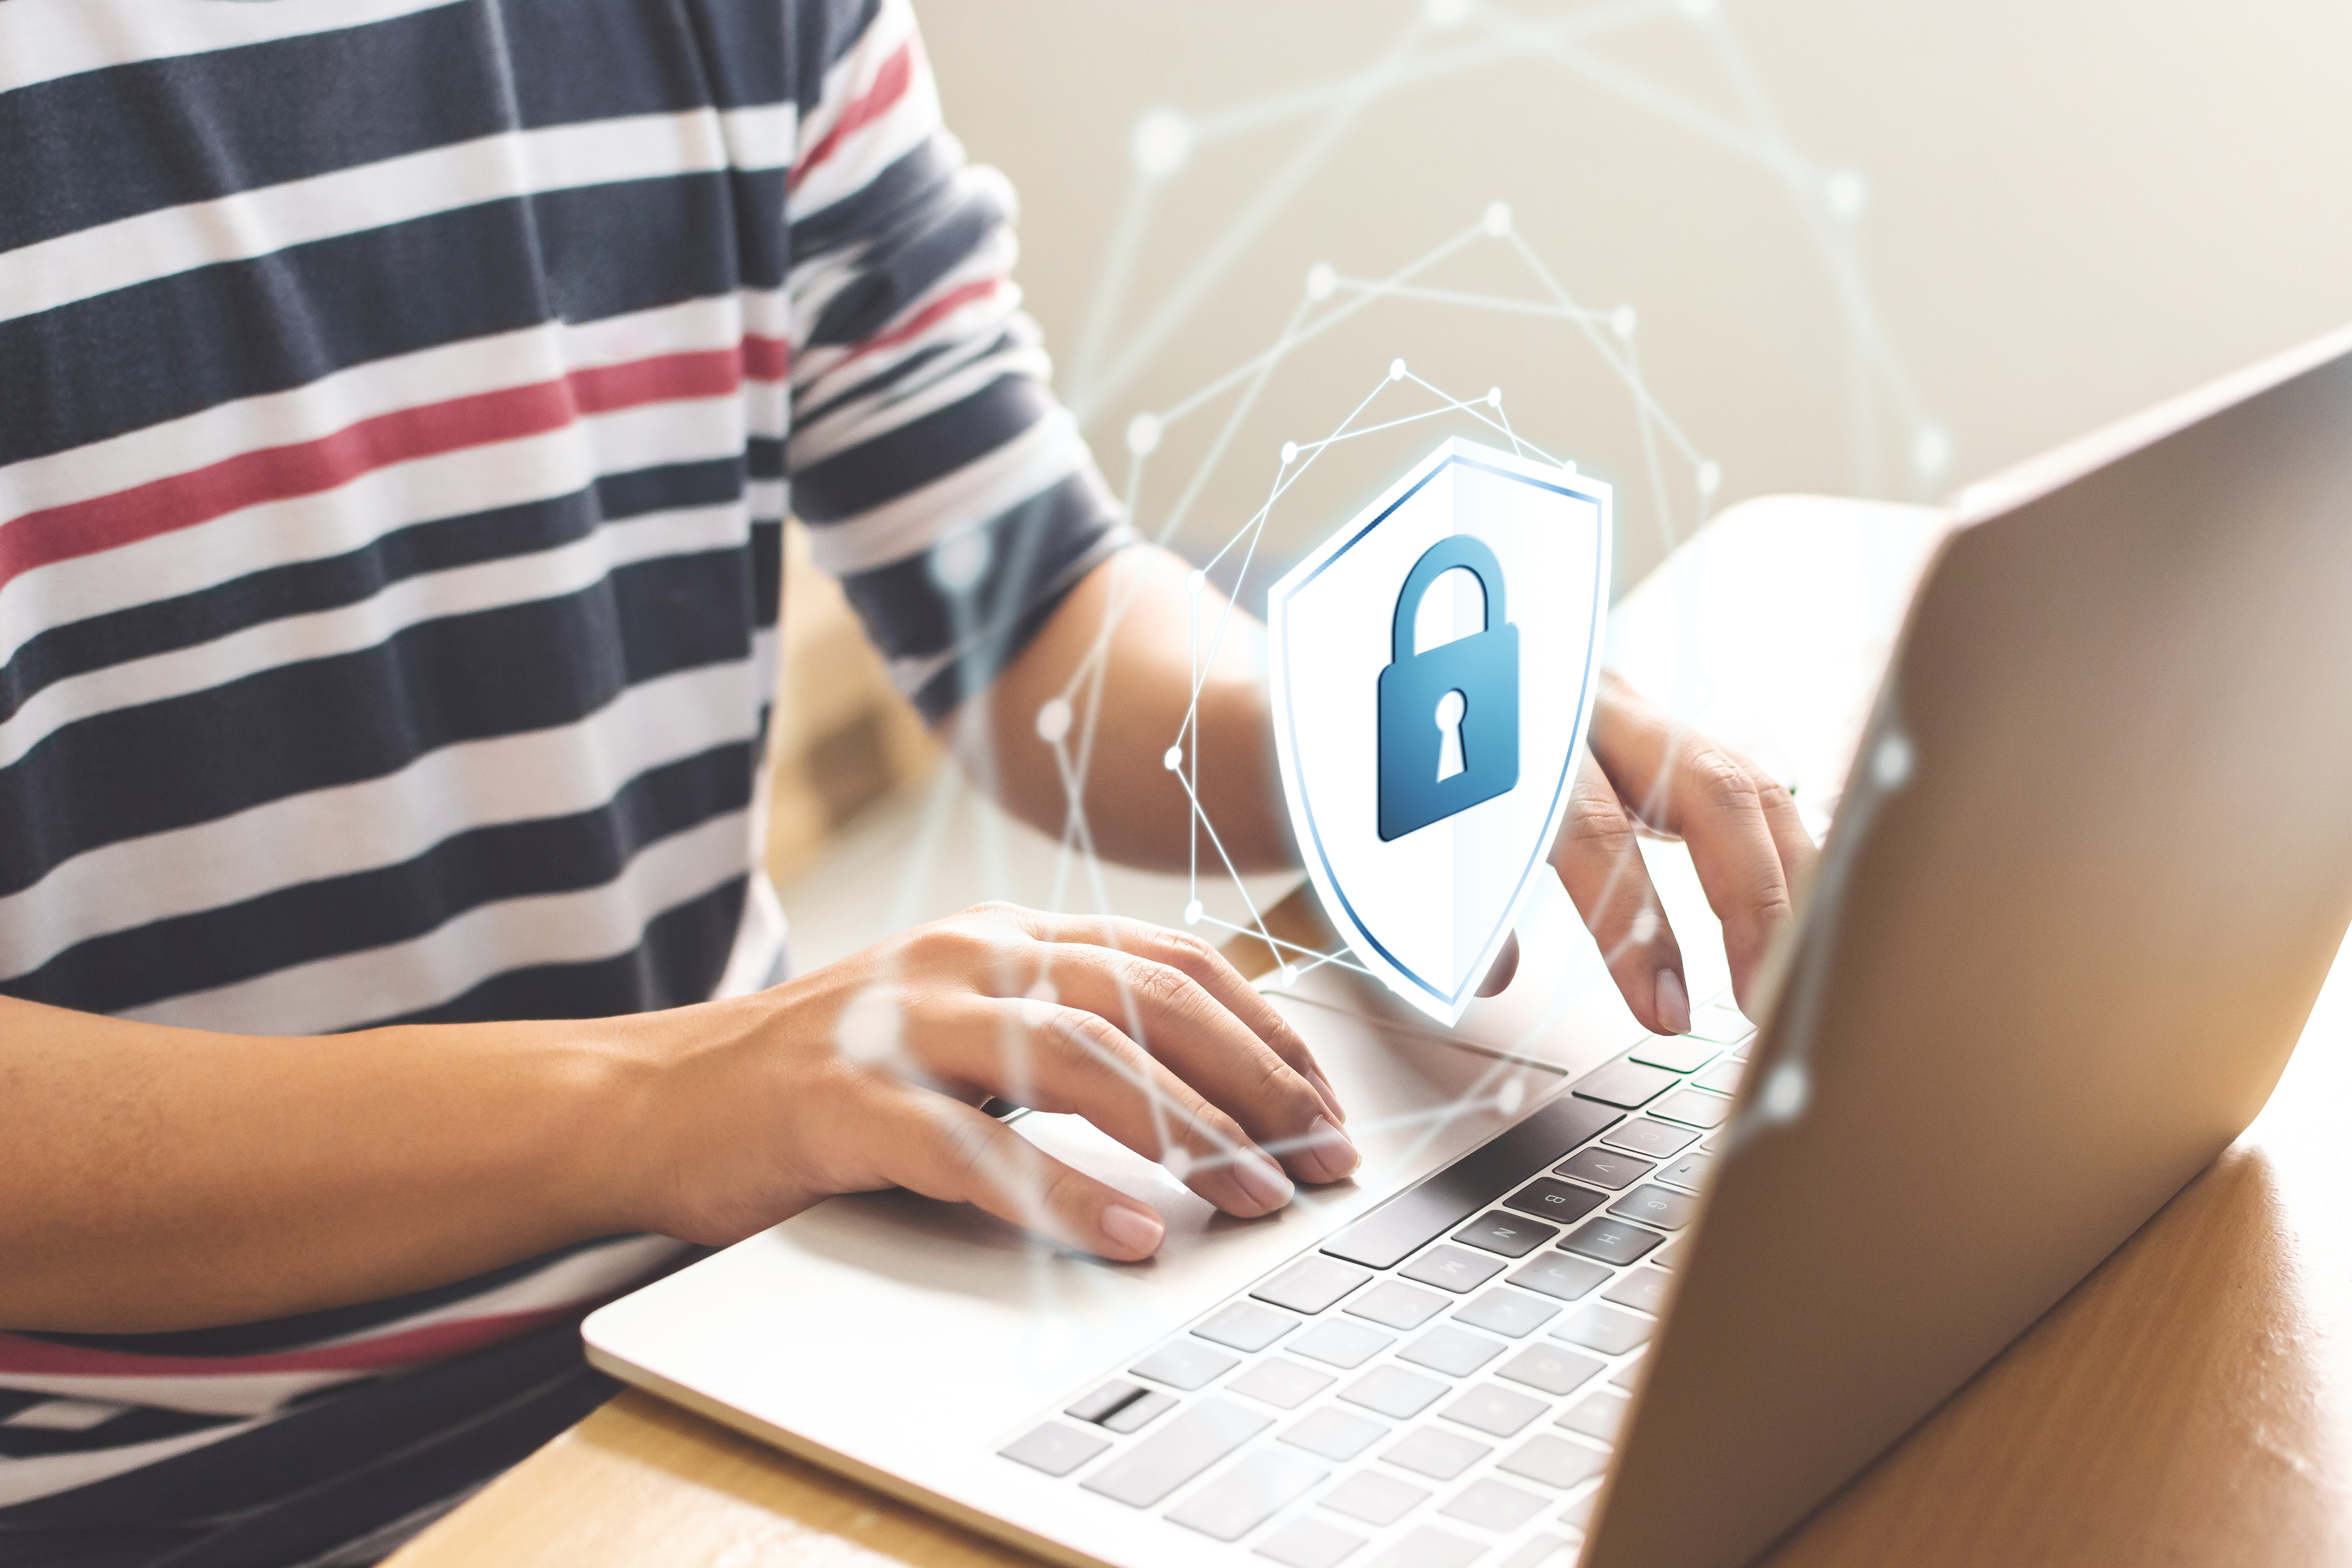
(1450, 709)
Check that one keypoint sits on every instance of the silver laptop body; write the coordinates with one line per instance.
(1652, 1305)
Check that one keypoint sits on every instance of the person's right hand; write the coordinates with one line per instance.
(868, 1073)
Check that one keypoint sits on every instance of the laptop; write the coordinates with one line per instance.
(1650, 1301)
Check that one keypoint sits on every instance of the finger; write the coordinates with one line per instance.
(1600, 864)
(946, 1149)
(1169, 1014)
(1507, 967)
(1715, 800)
(1207, 969)
(1062, 1058)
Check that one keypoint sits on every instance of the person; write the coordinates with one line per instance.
(399, 406)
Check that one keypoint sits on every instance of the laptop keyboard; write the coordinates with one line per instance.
(1441, 1382)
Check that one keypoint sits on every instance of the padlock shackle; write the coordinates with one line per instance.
(1463, 550)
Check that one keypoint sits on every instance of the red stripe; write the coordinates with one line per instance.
(916, 325)
(306, 468)
(890, 86)
(38, 1358)
(765, 359)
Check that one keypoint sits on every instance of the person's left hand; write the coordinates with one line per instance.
(1642, 772)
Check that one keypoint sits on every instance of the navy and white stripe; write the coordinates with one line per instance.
(399, 403)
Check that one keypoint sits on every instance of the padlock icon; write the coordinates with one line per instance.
(1449, 715)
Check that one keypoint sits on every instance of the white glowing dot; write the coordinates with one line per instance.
(1192, 914)
(1321, 281)
(1289, 977)
(1930, 450)
(1290, 453)
(1622, 320)
(1173, 758)
(1846, 192)
(1446, 13)
(867, 1030)
(1891, 764)
(958, 559)
(1194, 581)
(1396, 370)
(1161, 141)
(1784, 1092)
(1510, 1097)
(1710, 476)
(1498, 219)
(1493, 397)
(1054, 720)
(1142, 434)
(1645, 926)
(1179, 1161)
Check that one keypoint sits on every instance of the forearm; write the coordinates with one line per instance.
(1121, 648)
(159, 1178)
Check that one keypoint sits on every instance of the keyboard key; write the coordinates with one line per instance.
(1655, 1139)
(1342, 1344)
(1603, 1329)
(1553, 1370)
(1506, 1233)
(1136, 1416)
(1394, 1231)
(1580, 1512)
(1744, 1047)
(1427, 1548)
(1187, 1364)
(1629, 1376)
(1671, 1256)
(1506, 1311)
(1695, 1106)
(1675, 1053)
(1654, 1205)
(1541, 1552)
(1437, 1453)
(1456, 1352)
(1374, 1498)
(1245, 1326)
(1723, 1077)
(1611, 1241)
(1393, 1392)
(1495, 1410)
(1600, 1413)
(1451, 1268)
(1689, 1171)
(1554, 1461)
(1312, 1284)
(1177, 1452)
(1724, 1026)
(1281, 1383)
(1565, 1277)
(1309, 1543)
(1624, 1083)
(1604, 1167)
(1400, 1306)
(1247, 1496)
(1104, 1400)
(1334, 1434)
(1716, 1144)
(1643, 1289)
(1556, 1200)
(1491, 1505)
(1055, 1449)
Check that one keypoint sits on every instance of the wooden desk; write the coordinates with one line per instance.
(2189, 1403)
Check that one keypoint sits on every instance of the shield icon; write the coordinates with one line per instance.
(1432, 666)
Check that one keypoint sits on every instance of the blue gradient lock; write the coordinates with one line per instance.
(1449, 715)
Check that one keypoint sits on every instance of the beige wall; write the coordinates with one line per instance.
(2072, 209)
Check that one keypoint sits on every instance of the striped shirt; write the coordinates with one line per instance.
(399, 401)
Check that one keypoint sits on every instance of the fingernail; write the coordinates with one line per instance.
(1332, 1147)
(1673, 1003)
(1263, 1180)
(1331, 1096)
(1132, 1231)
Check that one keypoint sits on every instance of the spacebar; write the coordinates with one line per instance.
(1383, 1237)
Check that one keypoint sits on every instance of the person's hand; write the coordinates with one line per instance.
(1643, 772)
(867, 1073)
